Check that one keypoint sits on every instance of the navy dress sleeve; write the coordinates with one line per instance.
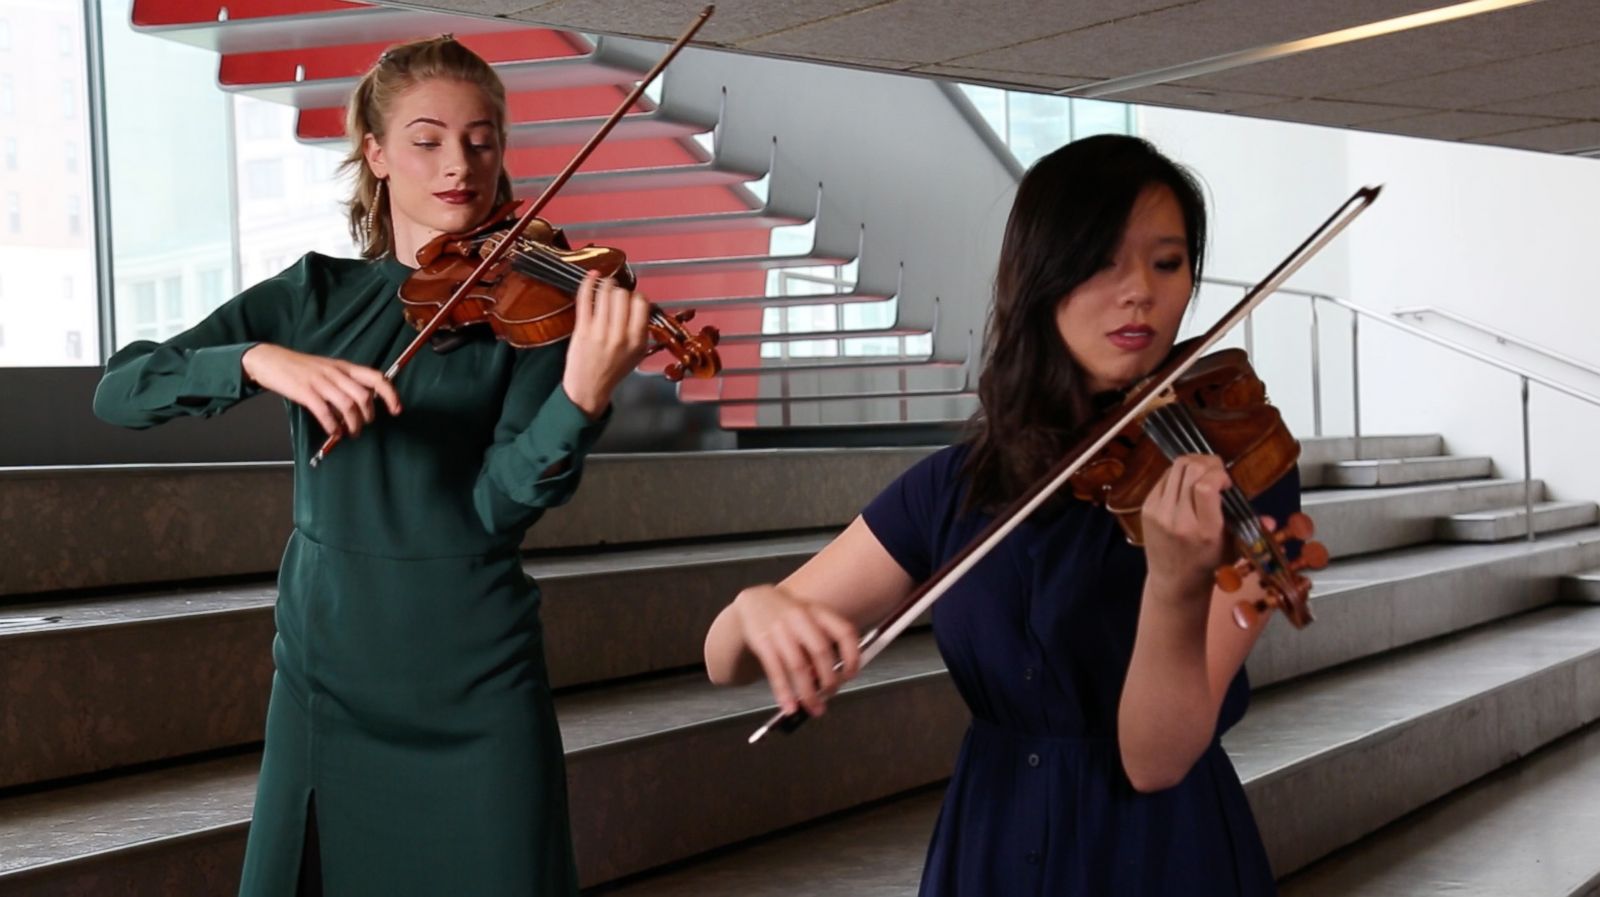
(905, 517)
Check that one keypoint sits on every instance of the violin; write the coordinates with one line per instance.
(527, 296)
(522, 287)
(1193, 402)
(1218, 407)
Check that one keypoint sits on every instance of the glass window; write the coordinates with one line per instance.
(172, 299)
(991, 104)
(869, 315)
(1039, 124)
(47, 244)
(262, 120)
(873, 346)
(1090, 117)
(144, 303)
(1034, 124)
(211, 290)
(208, 187)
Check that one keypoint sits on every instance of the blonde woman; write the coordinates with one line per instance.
(411, 742)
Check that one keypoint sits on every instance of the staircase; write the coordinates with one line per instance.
(1447, 674)
(692, 186)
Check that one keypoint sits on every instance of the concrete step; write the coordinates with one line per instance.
(1530, 829)
(93, 527)
(666, 754)
(1581, 588)
(1406, 471)
(1323, 761)
(1317, 452)
(86, 684)
(877, 850)
(1367, 605)
(1361, 521)
(1369, 743)
(1499, 524)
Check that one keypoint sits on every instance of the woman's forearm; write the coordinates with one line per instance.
(1168, 712)
(729, 660)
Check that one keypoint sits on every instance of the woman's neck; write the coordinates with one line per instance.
(409, 238)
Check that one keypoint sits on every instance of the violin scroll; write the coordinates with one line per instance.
(696, 353)
(1287, 591)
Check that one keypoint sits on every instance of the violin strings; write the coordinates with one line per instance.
(1181, 434)
(1185, 425)
(563, 273)
(1175, 433)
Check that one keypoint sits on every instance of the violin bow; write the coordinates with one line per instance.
(876, 639)
(506, 242)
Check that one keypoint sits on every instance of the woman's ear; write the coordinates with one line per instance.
(373, 151)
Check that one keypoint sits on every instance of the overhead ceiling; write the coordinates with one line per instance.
(1524, 76)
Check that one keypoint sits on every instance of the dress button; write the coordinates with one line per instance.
(1033, 857)
(1033, 759)
(1027, 674)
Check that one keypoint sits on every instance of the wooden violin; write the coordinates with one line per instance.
(1218, 407)
(527, 296)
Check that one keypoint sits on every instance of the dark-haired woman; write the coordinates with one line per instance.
(1100, 676)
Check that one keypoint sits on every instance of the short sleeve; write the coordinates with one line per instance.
(904, 516)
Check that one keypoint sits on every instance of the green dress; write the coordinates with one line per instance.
(411, 697)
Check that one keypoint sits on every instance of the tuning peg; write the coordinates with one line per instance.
(1313, 556)
(1230, 577)
(1249, 613)
(1299, 527)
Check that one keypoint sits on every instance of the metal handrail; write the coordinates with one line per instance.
(1499, 335)
(1430, 337)
(1357, 312)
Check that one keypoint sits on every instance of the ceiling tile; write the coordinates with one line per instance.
(666, 19)
(1571, 137)
(1581, 103)
(1186, 33)
(1496, 82)
(997, 78)
(933, 31)
(1460, 125)
(481, 7)
(1196, 98)
(1331, 112)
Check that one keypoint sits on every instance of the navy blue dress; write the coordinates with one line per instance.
(1038, 638)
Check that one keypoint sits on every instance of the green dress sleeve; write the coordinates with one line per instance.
(539, 445)
(198, 372)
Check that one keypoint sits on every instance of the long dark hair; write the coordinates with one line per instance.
(1068, 218)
